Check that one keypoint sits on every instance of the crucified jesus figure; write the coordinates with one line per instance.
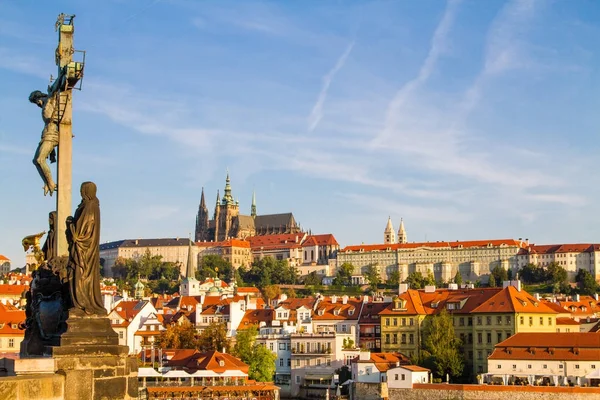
(47, 147)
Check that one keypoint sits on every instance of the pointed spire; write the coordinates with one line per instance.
(189, 273)
(402, 238)
(389, 236)
(202, 202)
(218, 197)
(227, 197)
(253, 208)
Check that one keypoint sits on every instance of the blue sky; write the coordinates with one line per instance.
(469, 119)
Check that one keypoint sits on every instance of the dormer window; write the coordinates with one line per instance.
(351, 311)
(221, 363)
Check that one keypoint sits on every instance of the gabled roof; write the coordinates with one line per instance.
(296, 303)
(11, 320)
(510, 300)
(386, 361)
(560, 248)
(255, 317)
(127, 310)
(280, 241)
(320, 240)
(274, 221)
(328, 310)
(4, 258)
(370, 312)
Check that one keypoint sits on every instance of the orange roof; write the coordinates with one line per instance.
(12, 290)
(251, 386)
(129, 308)
(255, 317)
(225, 243)
(281, 241)
(566, 321)
(320, 240)
(3, 258)
(511, 300)
(193, 360)
(386, 361)
(560, 248)
(243, 290)
(415, 368)
(10, 321)
(451, 245)
(296, 303)
(326, 309)
(549, 346)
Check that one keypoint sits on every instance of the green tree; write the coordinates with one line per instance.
(213, 266)
(343, 276)
(260, 360)
(416, 280)
(372, 276)
(458, 278)
(587, 283)
(268, 271)
(442, 346)
(312, 279)
(178, 337)
(500, 274)
(492, 281)
(271, 292)
(531, 273)
(555, 273)
(394, 279)
(214, 337)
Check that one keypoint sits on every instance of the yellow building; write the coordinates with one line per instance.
(401, 324)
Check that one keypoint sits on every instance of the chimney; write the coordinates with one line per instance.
(536, 296)
(345, 299)
(577, 298)
(366, 299)
(365, 355)
(430, 289)
(403, 288)
(596, 296)
(333, 299)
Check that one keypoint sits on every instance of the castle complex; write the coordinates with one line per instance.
(228, 223)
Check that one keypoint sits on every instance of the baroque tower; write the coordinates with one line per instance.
(402, 238)
(389, 236)
(202, 221)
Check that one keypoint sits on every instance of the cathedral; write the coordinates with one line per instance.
(228, 223)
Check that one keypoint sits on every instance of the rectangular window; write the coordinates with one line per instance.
(411, 338)
(507, 320)
(470, 321)
(541, 320)
(521, 320)
(395, 321)
(395, 377)
(479, 338)
(403, 338)
(479, 320)
(514, 366)
(530, 321)
(499, 320)
(297, 378)
(403, 377)
(271, 346)
(593, 366)
(499, 366)
(528, 366)
(281, 346)
(289, 362)
(403, 321)
(120, 334)
(499, 334)
(550, 321)
(387, 322)
(545, 366)
(560, 366)
(489, 338)
(281, 362)
(479, 355)
(395, 338)
(576, 366)
(11, 342)
(461, 321)
(488, 320)
(297, 362)
(387, 338)
(470, 341)
(411, 321)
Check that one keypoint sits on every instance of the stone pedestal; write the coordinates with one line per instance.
(97, 372)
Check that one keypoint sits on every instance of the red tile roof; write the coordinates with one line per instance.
(12, 290)
(11, 320)
(566, 321)
(549, 346)
(3, 258)
(415, 368)
(193, 360)
(327, 310)
(386, 361)
(457, 244)
(320, 240)
(560, 248)
(510, 300)
(225, 243)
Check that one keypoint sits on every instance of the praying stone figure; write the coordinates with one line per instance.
(83, 235)
(49, 247)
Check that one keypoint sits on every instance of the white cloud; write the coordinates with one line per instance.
(317, 111)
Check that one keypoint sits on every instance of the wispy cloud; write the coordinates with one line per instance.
(16, 62)
(317, 111)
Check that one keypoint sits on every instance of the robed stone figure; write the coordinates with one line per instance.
(83, 235)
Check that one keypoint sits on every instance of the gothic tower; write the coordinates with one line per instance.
(253, 208)
(389, 236)
(202, 221)
(402, 238)
(228, 211)
(216, 216)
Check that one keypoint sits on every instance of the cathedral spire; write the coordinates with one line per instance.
(202, 202)
(227, 197)
(253, 208)
(402, 238)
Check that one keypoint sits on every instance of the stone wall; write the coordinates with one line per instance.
(33, 387)
(490, 392)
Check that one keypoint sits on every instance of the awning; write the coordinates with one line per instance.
(145, 372)
(314, 377)
(594, 374)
